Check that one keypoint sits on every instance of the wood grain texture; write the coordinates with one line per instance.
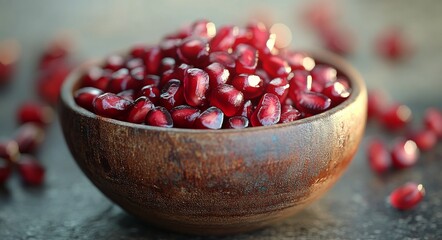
(212, 181)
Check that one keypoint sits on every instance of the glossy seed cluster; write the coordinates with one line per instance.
(205, 77)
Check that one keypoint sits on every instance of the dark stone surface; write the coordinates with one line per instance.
(69, 207)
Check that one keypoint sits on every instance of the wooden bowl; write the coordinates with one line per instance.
(216, 181)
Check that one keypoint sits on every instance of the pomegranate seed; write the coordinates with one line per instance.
(404, 154)
(433, 121)
(407, 196)
(184, 116)
(196, 85)
(276, 67)
(393, 44)
(9, 150)
(228, 99)
(263, 75)
(5, 170)
(138, 75)
(250, 85)
(152, 60)
(337, 92)
(97, 78)
(31, 171)
(29, 137)
(111, 106)
(167, 63)
(151, 92)
(378, 156)
(56, 52)
(212, 118)
(204, 29)
(177, 73)
(224, 39)
(50, 82)
(138, 50)
(289, 115)
(160, 117)
(152, 80)
(114, 63)
(172, 94)
(323, 74)
(396, 117)
(260, 36)
(134, 63)
(237, 122)
(141, 108)
(299, 61)
(9, 55)
(35, 112)
(169, 47)
(246, 59)
(338, 40)
(279, 87)
(312, 102)
(127, 94)
(122, 80)
(268, 111)
(244, 36)
(193, 51)
(247, 109)
(377, 100)
(425, 139)
(84, 97)
(218, 74)
(223, 58)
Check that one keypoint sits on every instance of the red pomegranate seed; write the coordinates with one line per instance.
(193, 50)
(127, 94)
(178, 73)
(57, 51)
(247, 109)
(138, 74)
(50, 81)
(433, 121)
(134, 63)
(184, 116)
(299, 61)
(276, 67)
(268, 111)
(122, 80)
(228, 99)
(244, 37)
(378, 156)
(31, 171)
(337, 92)
(9, 150)
(323, 74)
(84, 97)
(138, 50)
(425, 139)
(196, 86)
(246, 59)
(114, 63)
(5, 170)
(35, 112)
(393, 44)
(237, 122)
(251, 86)
(337, 40)
(141, 108)
(289, 114)
(203, 28)
(151, 92)
(212, 118)
(167, 63)
(97, 78)
(407, 196)
(260, 36)
(396, 117)
(159, 117)
(172, 94)
(152, 60)
(218, 74)
(29, 137)
(169, 47)
(279, 87)
(111, 106)
(152, 80)
(224, 39)
(404, 154)
(377, 100)
(312, 102)
(223, 58)
(9, 56)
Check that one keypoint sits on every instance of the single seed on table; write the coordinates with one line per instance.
(407, 196)
(378, 156)
(34, 112)
(29, 137)
(404, 154)
(9, 150)
(31, 171)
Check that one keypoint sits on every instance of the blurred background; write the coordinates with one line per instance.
(409, 71)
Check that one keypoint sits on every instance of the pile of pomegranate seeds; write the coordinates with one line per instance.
(207, 78)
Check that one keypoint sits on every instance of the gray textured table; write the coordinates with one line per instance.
(69, 207)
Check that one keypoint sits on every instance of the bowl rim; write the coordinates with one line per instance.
(356, 82)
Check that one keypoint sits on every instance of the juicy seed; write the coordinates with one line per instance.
(228, 99)
(407, 196)
(184, 116)
(312, 102)
(111, 106)
(276, 67)
(279, 87)
(251, 86)
(299, 61)
(84, 97)
(218, 74)
(29, 137)
(212, 118)
(152, 92)
(237, 122)
(35, 112)
(378, 156)
(246, 59)
(224, 39)
(396, 117)
(268, 111)
(323, 74)
(337, 92)
(140, 109)
(196, 85)
(290, 115)
(159, 117)
(172, 94)
(31, 171)
(404, 154)
(424, 139)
